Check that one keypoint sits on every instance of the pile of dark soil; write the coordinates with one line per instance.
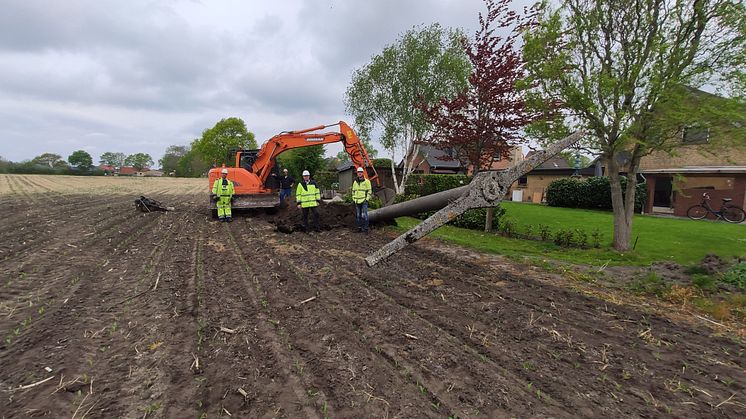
(333, 215)
(713, 264)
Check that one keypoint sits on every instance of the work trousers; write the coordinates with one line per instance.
(361, 216)
(284, 193)
(315, 211)
(224, 207)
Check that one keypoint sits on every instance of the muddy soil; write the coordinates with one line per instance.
(289, 219)
(108, 312)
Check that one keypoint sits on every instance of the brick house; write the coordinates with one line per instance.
(677, 182)
(533, 185)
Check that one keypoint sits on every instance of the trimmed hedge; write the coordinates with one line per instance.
(429, 184)
(591, 193)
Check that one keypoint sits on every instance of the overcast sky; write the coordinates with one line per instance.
(138, 76)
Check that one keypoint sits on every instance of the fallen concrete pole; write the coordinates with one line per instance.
(487, 189)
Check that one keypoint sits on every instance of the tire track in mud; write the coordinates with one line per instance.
(183, 342)
(158, 332)
(266, 336)
(421, 357)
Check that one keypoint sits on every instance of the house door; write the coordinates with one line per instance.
(663, 192)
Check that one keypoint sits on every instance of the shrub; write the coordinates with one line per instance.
(736, 275)
(544, 232)
(704, 282)
(591, 193)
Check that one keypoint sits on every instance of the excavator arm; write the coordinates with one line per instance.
(284, 141)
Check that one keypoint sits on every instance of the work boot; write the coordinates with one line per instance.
(229, 219)
(221, 219)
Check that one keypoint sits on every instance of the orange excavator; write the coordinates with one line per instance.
(255, 187)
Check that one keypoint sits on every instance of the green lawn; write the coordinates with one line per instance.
(680, 240)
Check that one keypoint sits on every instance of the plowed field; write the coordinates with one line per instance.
(175, 315)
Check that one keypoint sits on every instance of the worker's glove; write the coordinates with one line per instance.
(232, 198)
(214, 198)
(298, 206)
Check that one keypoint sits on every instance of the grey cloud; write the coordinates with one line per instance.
(136, 76)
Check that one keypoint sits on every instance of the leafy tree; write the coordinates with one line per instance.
(47, 159)
(615, 65)
(343, 157)
(331, 163)
(170, 161)
(191, 165)
(484, 122)
(138, 160)
(112, 159)
(227, 133)
(305, 158)
(5, 165)
(81, 159)
(422, 66)
(570, 157)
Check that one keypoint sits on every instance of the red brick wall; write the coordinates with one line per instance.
(688, 197)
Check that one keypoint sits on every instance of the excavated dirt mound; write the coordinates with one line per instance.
(289, 219)
(713, 264)
(108, 312)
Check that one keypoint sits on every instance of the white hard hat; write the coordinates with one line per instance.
(306, 173)
(360, 169)
(224, 171)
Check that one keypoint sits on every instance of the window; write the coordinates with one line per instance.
(523, 181)
(695, 135)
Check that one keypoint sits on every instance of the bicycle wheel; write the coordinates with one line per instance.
(733, 214)
(696, 212)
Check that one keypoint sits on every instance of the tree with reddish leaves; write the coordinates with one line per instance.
(484, 122)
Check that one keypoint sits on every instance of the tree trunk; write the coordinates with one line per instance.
(622, 222)
(488, 219)
(393, 175)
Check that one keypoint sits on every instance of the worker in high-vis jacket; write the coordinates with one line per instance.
(308, 197)
(362, 192)
(222, 195)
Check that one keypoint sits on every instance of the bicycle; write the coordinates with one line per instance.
(729, 213)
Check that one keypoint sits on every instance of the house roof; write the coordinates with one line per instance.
(439, 158)
(345, 166)
(126, 170)
(699, 169)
